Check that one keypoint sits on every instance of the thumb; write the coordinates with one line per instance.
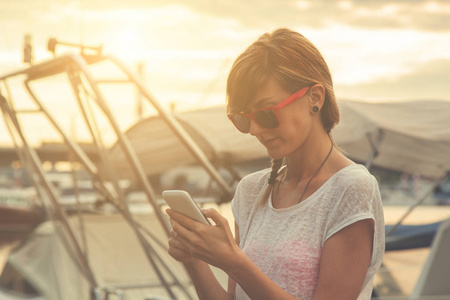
(215, 216)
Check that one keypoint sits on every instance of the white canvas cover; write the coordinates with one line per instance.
(115, 257)
(416, 134)
(159, 149)
(416, 137)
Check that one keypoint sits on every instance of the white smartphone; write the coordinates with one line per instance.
(182, 202)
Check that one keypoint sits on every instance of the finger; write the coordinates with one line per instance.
(177, 252)
(178, 241)
(215, 216)
(189, 240)
(182, 219)
(182, 245)
(176, 244)
(180, 232)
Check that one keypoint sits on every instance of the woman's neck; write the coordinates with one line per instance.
(304, 162)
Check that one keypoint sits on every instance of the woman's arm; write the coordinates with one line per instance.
(231, 282)
(344, 262)
(210, 289)
(204, 280)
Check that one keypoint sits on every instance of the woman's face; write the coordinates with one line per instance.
(295, 121)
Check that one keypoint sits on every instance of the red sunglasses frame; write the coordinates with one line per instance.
(251, 116)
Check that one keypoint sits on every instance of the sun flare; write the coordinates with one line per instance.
(125, 43)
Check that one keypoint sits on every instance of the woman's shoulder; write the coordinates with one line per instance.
(355, 176)
(252, 184)
(354, 191)
(256, 179)
(247, 193)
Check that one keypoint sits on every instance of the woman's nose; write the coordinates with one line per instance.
(255, 129)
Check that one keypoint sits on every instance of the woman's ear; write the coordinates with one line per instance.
(317, 97)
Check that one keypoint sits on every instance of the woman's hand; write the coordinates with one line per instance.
(213, 244)
(178, 251)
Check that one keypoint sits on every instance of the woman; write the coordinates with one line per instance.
(312, 228)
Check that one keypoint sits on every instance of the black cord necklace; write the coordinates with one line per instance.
(310, 179)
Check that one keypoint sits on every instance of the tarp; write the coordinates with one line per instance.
(415, 134)
(416, 137)
(159, 149)
(114, 254)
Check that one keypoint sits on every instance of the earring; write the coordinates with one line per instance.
(315, 108)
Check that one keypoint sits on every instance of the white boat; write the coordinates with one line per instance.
(93, 257)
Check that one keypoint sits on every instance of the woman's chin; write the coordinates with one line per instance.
(274, 154)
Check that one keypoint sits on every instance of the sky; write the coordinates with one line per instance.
(376, 49)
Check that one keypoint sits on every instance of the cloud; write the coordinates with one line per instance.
(370, 14)
(420, 15)
(41, 19)
(423, 15)
(430, 81)
(196, 36)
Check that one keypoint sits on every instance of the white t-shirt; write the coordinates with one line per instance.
(286, 244)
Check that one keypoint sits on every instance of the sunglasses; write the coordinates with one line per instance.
(265, 117)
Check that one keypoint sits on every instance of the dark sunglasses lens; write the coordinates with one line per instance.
(241, 123)
(266, 118)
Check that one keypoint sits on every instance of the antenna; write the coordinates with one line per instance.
(27, 50)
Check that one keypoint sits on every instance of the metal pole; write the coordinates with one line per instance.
(179, 131)
(59, 212)
(93, 127)
(92, 169)
(375, 146)
(419, 201)
(124, 142)
(105, 190)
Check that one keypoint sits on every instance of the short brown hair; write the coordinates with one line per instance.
(289, 58)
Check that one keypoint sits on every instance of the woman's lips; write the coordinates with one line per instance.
(268, 142)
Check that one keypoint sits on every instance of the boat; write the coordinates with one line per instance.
(16, 223)
(66, 236)
(18, 214)
(87, 243)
